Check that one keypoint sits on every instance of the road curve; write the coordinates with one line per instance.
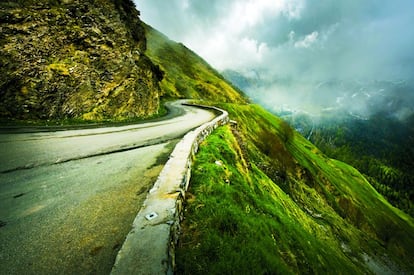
(68, 198)
(28, 150)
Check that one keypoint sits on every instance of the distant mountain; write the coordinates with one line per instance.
(245, 83)
(75, 59)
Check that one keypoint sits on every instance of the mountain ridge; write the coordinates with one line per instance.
(187, 75)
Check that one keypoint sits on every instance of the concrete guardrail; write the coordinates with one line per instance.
(150, 245)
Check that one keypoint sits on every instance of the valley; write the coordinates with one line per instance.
(367, 124)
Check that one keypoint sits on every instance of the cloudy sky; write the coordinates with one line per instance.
(304, 40)
(297, 45)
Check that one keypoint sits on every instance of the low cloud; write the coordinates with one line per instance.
(307, 41)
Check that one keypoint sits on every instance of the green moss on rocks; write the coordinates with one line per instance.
(75, 59)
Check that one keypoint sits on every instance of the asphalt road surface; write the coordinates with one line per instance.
(68, 198)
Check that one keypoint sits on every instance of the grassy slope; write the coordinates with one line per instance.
(278, 205)
(274, 203)
(389, 160)
(186, 75)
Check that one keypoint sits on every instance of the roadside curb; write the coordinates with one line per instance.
(149, 247)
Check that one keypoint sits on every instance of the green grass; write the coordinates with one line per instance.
(263, 199)
(238, 220)
(186, 75)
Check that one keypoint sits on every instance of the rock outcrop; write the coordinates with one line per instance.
(75, 59)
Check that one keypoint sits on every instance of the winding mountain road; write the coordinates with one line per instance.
(68, 198)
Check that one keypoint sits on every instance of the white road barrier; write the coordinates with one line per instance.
(150, 245)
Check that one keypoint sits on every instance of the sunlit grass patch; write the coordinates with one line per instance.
(238, 222)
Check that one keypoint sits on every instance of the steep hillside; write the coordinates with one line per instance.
(75, 59)
(388, 161)
(186, 74)
(264, 199)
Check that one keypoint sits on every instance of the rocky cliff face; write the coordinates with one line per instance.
(75, 59)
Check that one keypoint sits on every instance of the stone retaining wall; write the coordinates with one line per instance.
(150, 245)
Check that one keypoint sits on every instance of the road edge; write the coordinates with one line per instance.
(149, 247)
